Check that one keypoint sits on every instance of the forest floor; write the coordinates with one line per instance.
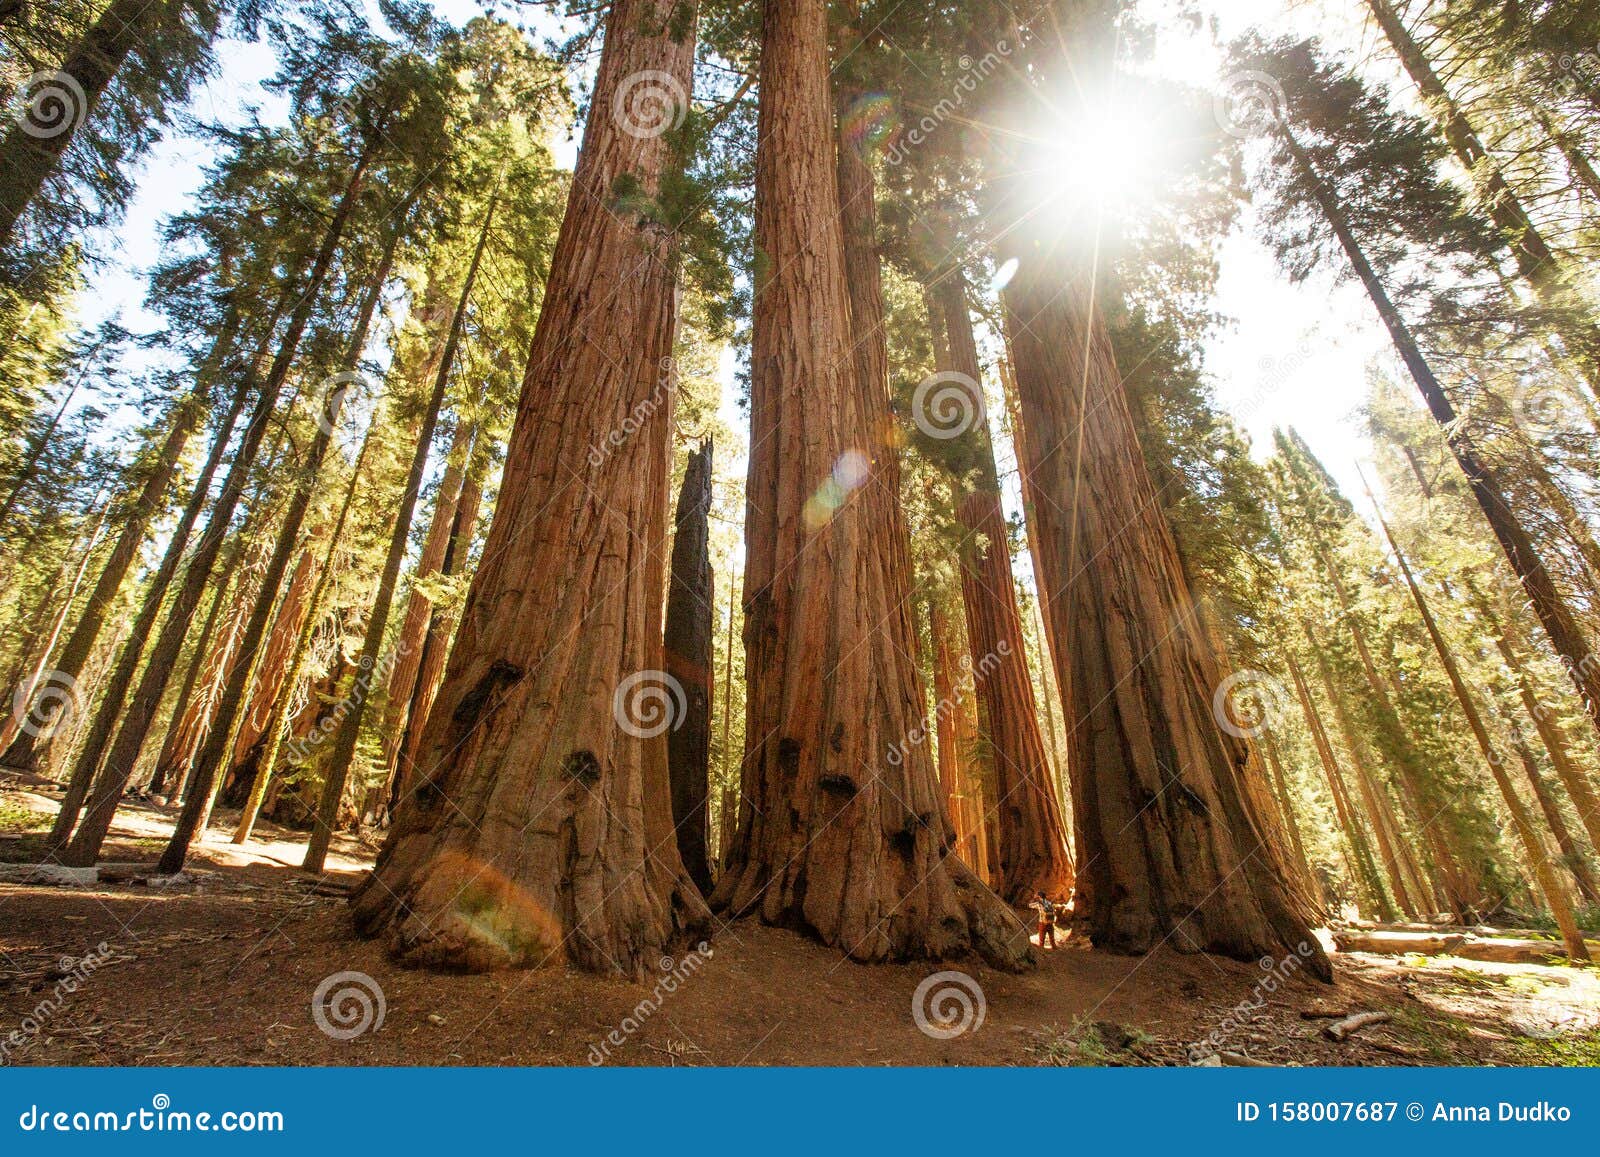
(222, 970)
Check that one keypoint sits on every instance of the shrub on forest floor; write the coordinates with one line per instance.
(1094, 1044)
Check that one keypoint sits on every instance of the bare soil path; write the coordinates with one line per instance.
(223, 970)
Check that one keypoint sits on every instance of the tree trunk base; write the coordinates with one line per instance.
(460, 914)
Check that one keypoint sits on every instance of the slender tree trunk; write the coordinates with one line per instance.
(1291, 819)
(1535, 260)
(730, 787)
(344, 742)
(267, 691)
(34, 459)
(1585, 799)
(42, 672)
(121, 678)
(33, 148)
(226, 727)
(419, 611)
(539, 828)
(1554, 896)
(1573, 857)
(1583, 667)
(1374, 803)
(183, 732)
(436, 646)
(1033, 846)
(24, 752)
(842, 833)
(124, 752)
(690, 600)
(282, 721)
(1366, 873)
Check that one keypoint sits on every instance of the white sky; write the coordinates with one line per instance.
(1294, 355)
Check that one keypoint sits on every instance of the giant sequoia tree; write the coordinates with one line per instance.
(1169, 845)
(538, 826)
(836, 835)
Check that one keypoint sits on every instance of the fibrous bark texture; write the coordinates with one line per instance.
(538, 828)
(842, 831)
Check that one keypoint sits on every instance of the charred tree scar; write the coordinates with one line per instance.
(581, 767)
(476, 701)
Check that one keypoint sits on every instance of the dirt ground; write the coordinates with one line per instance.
(223, 971)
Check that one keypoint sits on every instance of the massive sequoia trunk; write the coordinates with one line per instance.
(842, 832)
(1031, 836)
(688, 655)
(1168, 846)
(539, 825)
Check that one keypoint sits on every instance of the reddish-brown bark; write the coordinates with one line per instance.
(539, 827)
(842, 830)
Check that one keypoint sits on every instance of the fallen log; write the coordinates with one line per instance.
(1398, 943)
(1341, 1030)
(1495, 949)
